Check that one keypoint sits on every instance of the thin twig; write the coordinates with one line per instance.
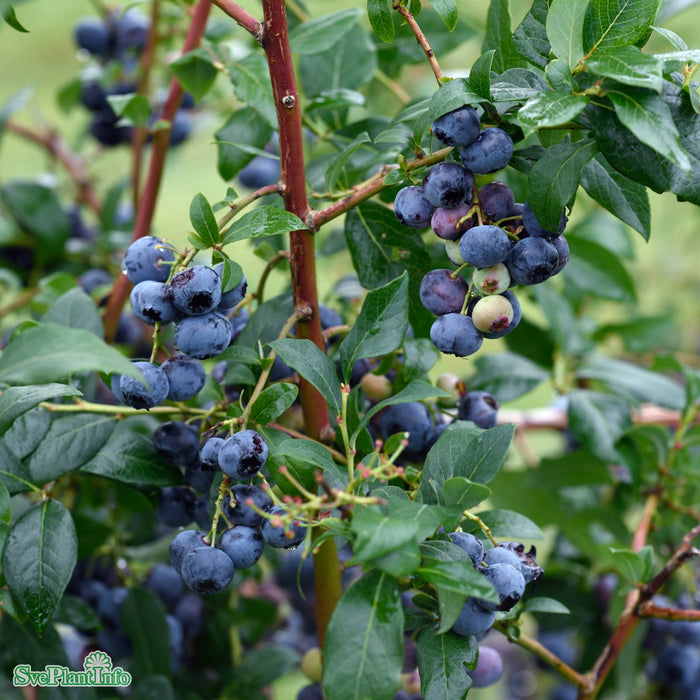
(423, 42)
(241, 16)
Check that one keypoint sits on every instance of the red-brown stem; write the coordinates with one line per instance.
(275, 41)
(72, 164)
(243, 18)
(651, 610)
(640, 536)
(423, 42)
(149, 196)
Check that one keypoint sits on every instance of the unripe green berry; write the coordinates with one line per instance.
(376, 387)
(312, 665)
(492, 314)
(452, 250)
(451, 383)
(491, 280)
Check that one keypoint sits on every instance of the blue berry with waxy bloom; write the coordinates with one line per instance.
(207, 570)
(203, 336)
(441, 292)
(209, 452)
(529, 567)
(233, 296)
(459, 127)
(184, 542)
(147, 259)
(413, 418)
(136, 395)
(152, 302)
(104, 128)
(165, 581)
(501, 555)
(412, 208)
(484, 246)
(562, 247)
(473, 620)
(196, 290)
(186, 377)
(176, 506)
(190, 611)
(279, 535)
(93, 35)
(489, 668)
(496, 200)
(241, 511)
(455, 334)
(243, 455)
(508, 582)
(131, 31)
(470, 544)
(491, 151)
(535, 229)
(243, 544)
(479, 407)
(532, 261)
(448, 185)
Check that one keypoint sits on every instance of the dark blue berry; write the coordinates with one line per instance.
(442, 293)
(457, 128)
(454, 334)
(412, 417)
(562, 247)
(445, 222)
(92, 279)
(532, 261)
(152, 302)
(412, 208)
(176, 442)
(176, 506)
(279, 535)
(470, 544)
(448, 185)
(260, 172)
(93, 35)
(131, 31)
(234, 296)
(243, 455)
(209, 452)
(241, 512)
(165, 581)
(496, 200)
(182, 543)
(489, 668)
(147, 259)
(180, 128)
(491, 151)
(196, 290)
(484, 246)
(190, 611)
(136, 395)
(479, 407)
(473, 620)
(203, 336)
(243, 544)
(207, 570)
(186, 377)
(508, 582)
(104, 129)
(535, 229)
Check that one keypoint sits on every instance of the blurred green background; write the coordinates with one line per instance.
(45, 59)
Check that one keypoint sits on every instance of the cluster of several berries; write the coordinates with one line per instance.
(248, 511)
(115, 42)
(483, 228)
(192, 299)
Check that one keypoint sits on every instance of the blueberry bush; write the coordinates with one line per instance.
(217, 487)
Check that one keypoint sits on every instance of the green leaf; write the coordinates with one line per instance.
(499, 37)
(542, 604)
(380, 259)
(10, 16)
(5, 506)
(38, 210)
(39, 558)
(265, 324)
(459, 491)
(75, 309)
(508, 523)
(203, 220)
(595, 270)
(630, 380)
(263, 221)
(153, 688)
(321, 33)
(441, 659)
(338, 98)
(243, 129)
(642, 334)
(459, 577)
(336, 177)
(551, 109)
(480, 75)
(612, 23)
(76, 438)
(507, 375)
(312, 364)
(627, 65)
(598, 421)
(49, 352)
(251, 83)
(452, 95)
(417, 390)
(273, 402)
(132, 108)
(621, 196)
(380, 327)
(649, 118)
(363, 651)
(447, 9)
(16, 400)
(258, 668)
(379, 13)
(634, 567)
(13, 473)
(565, 29)
(555, 178)
(75, 611)
(196, 72)
(128, 456)
(143, 619)
(516, 85)
(465, 451)
(530, 37)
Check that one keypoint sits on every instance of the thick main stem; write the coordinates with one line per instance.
(161, 140)
(275, 41)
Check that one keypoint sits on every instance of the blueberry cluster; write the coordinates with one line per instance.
(194, 301)
(102, 590)
(248, 510)
(483, 228)
(115, 42)
(508, 567)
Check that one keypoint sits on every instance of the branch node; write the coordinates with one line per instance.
(289, 101)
